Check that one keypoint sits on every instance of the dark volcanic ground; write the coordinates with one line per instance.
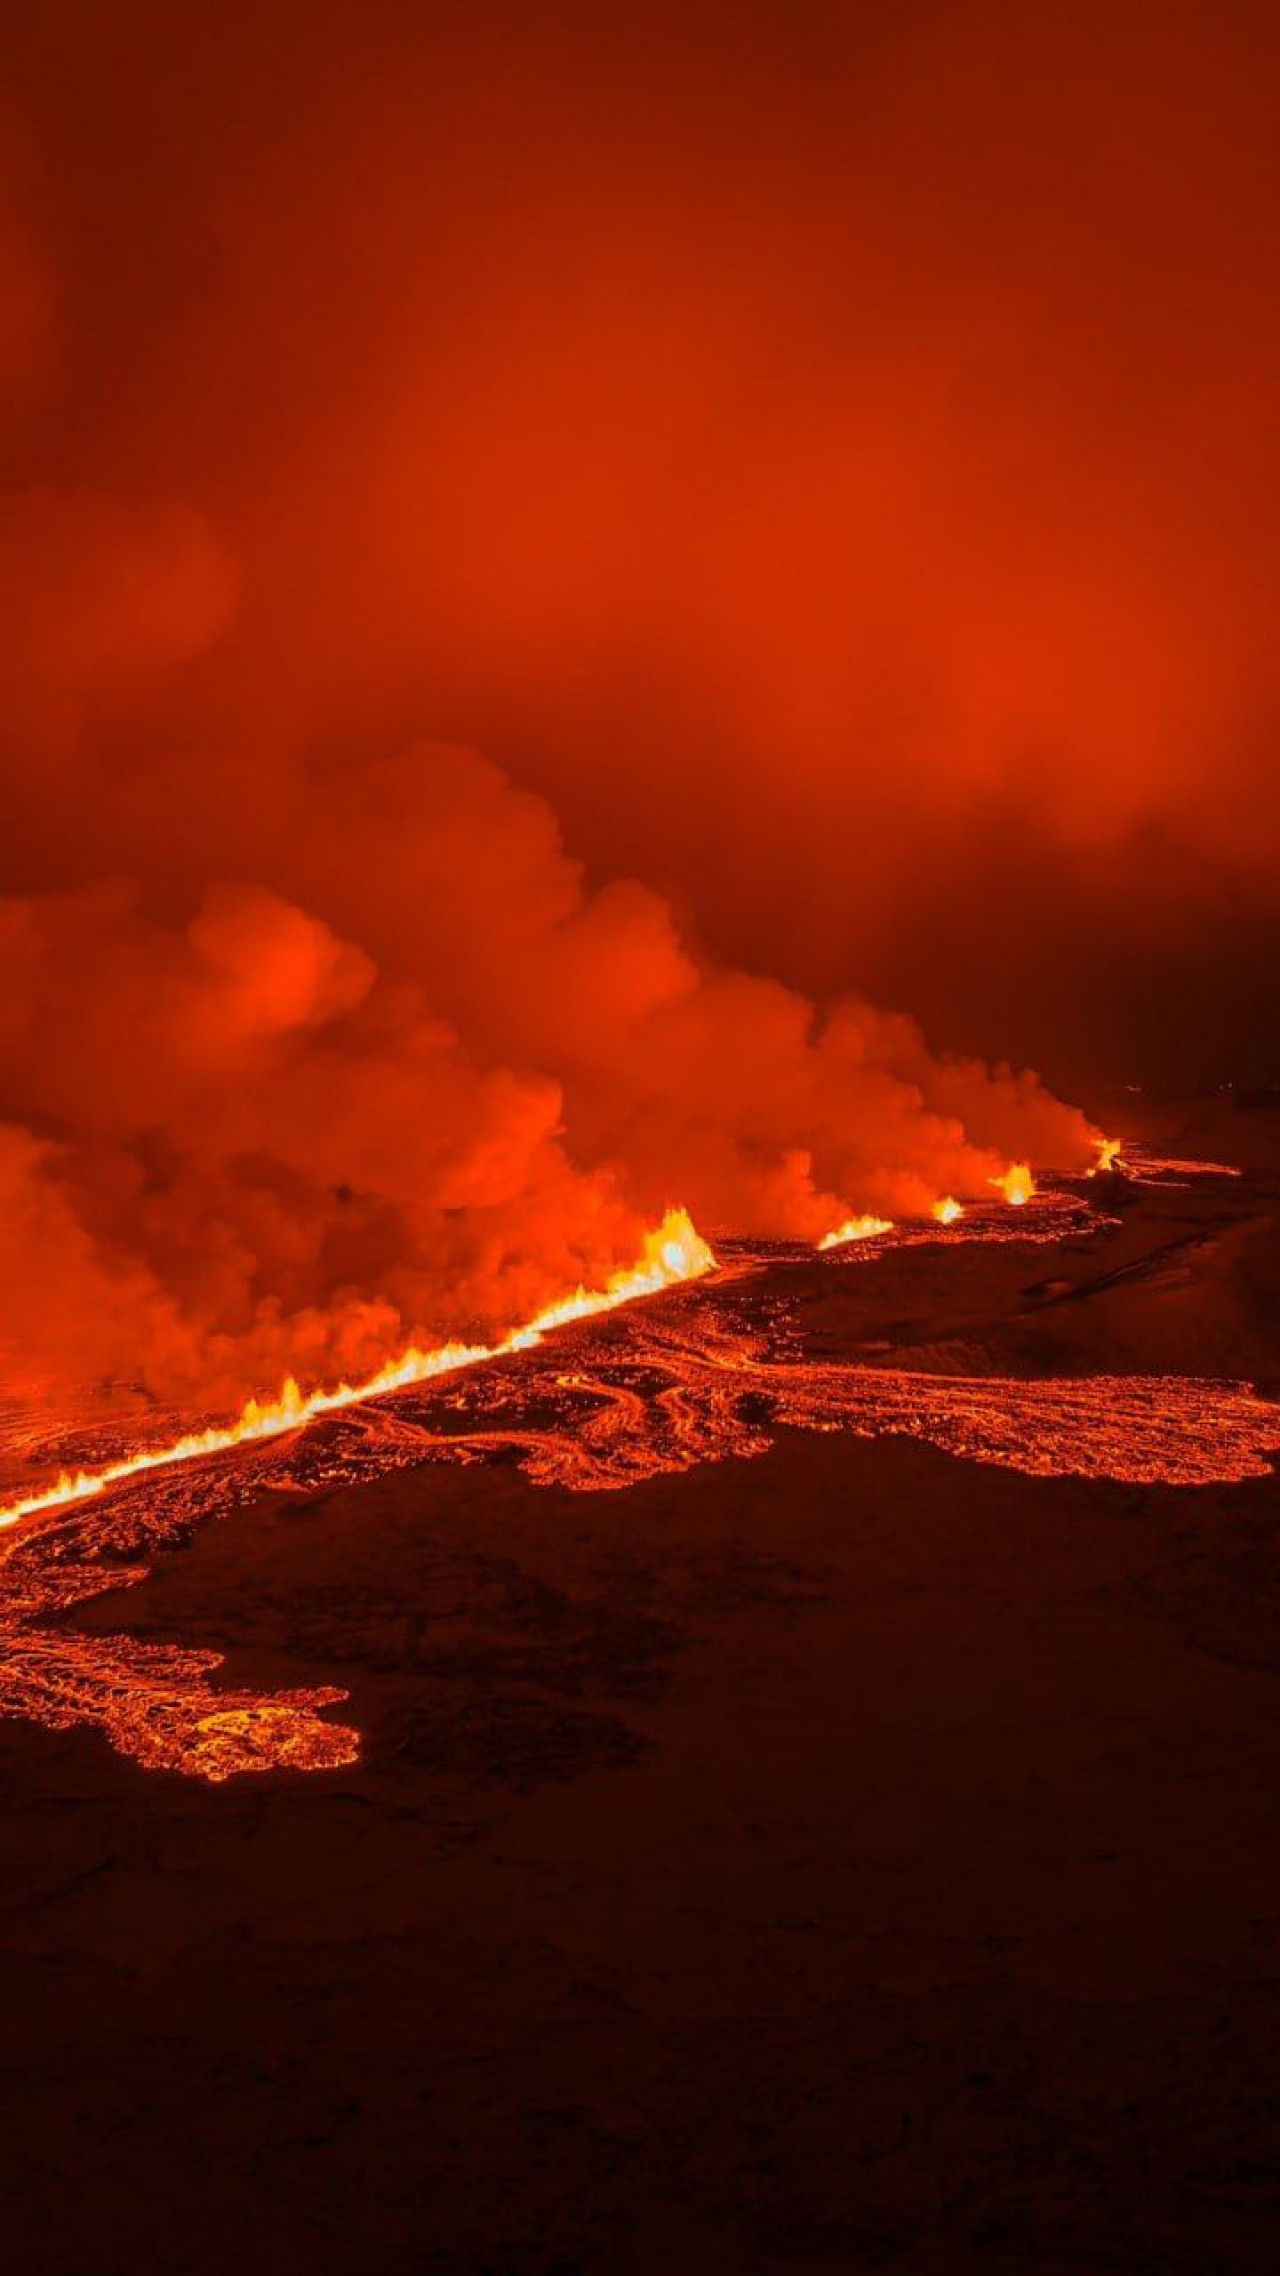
(853, 1857)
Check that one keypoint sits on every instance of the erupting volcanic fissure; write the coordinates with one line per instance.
(599, 1392)
(672, 1253)
(639, 846)
(498, 719)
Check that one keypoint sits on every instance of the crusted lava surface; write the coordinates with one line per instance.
(780, 1777)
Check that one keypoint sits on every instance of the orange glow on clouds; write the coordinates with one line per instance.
(470, 659)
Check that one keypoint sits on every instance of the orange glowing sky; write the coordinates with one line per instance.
(553, 561)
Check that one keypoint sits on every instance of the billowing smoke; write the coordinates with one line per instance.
(426, 1077)
(538, 571)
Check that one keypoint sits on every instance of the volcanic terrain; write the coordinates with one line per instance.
(778, 1777)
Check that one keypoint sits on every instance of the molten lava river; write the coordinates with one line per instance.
(668, 1378)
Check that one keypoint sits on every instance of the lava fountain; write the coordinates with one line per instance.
(1017, 1184)
(856, 1229)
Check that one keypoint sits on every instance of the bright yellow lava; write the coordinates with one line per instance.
(1017, 1185)
(673, 1252)
(947, 1210)
(856, 1229)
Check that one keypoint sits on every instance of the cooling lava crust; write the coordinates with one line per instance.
(810, 1800)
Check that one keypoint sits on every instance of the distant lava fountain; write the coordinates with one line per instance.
(856, 1229)
(1017, 1184)
(675, 1251)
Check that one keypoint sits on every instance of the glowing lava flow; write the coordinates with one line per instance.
(1146, 1168)
(653, 1391)
(674, 1252)
(947, 1210)
(856, 1229)
(1017, 1185)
